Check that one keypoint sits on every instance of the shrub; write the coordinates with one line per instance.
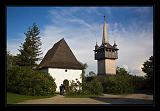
(23, 80)
(93, 87)
(139, 83)
(89, 79)
(120, 84)
(75, 88)
(66, 85)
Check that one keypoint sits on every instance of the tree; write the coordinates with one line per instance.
(91, 73)
(11, 60)
(25, 81)
(83, 72)
(30, 50)
(121, 71)
(148, 69)
(85, 67)
(83, 75)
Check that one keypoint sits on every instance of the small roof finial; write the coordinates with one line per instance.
(115, 43)
(96, 43)
(96, 46)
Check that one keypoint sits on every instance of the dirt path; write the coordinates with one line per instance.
(106, 99)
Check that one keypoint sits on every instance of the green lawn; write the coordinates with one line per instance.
(15, 98)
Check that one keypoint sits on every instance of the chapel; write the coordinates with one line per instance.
(61, 63)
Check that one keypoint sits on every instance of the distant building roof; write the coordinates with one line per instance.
(60, 56)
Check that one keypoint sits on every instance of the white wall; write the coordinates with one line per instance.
(107, 66)
(60, 75)
(110, 66)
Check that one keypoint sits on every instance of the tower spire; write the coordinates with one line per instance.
(105, 34)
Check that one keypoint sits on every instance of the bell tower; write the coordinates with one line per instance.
(106, 54)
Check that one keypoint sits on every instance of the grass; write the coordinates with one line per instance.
(15, 98)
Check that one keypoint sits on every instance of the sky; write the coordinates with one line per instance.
(130, 27)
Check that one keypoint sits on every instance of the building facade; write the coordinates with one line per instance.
(106, 54)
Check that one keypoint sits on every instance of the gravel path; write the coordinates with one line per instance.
(106, 99)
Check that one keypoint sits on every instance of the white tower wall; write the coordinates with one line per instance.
(107, 66)
(110, 66)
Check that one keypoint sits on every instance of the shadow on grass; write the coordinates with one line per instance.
(122, 100)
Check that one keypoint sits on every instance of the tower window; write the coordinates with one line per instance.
(65, 70)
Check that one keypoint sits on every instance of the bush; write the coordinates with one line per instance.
(119, 84)
(93, 87)
(66, 85)
(139, 83)
(23, 80)
(75, 88)
(89, 79)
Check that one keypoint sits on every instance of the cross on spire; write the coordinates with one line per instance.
(104, 18)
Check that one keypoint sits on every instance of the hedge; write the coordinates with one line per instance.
(93, 87)
(117, 84)
(23, 80)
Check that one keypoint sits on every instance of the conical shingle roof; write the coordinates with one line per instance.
(60, 56)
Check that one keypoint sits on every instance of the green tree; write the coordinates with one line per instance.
(91, 73)
(85, 67)
(11, 60)
(83, 72)
(25, 81)
(121, 71)
(30, 50)
(148, 69)
(83, 75)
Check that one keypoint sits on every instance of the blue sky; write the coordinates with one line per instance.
(130, 27)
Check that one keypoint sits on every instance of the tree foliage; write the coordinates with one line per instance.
(116, 84)
(93, 87)
(91, 73)
(121, 71)
(30, 50)
(21, 78)
(83, 74)
(24, 80)
(11, 60)
(122, 83)
(148, 69)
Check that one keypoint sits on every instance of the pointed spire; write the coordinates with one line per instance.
(105, 34)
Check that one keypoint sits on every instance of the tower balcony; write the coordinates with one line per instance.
(106, 55)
